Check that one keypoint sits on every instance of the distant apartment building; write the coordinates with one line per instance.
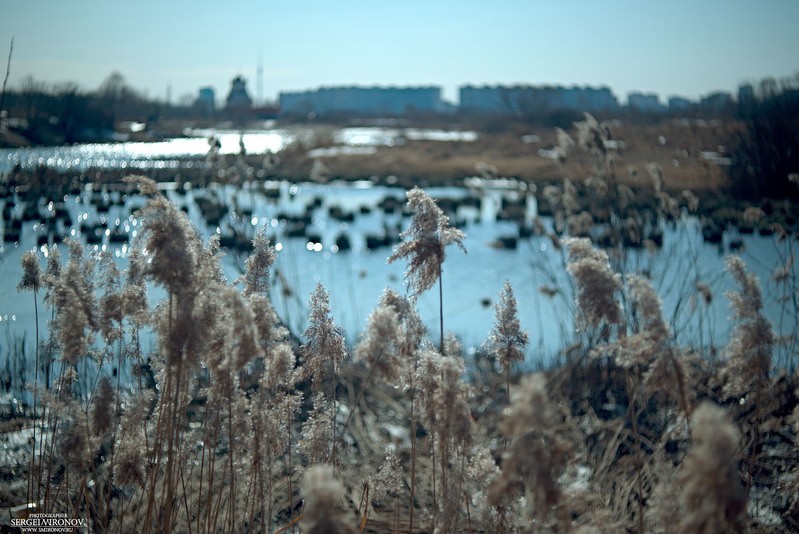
(531, 100)
(746, 93)
(644, 102)
(717, 101)
(679, 104)
(362, 101)
(205, 102)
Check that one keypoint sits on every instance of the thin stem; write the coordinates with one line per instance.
(291, 491)
(5, 80)
(507, 380)
(413, 440)
(335, 413)
(33, 474)
(638, 460)
(173, 436)
(200, 491)
(413, 455)
(232, 506)
(185, 501)
(433, 482)
(366, 384)
(441, 307)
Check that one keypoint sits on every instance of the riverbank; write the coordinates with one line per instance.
(691, 151)
(688, 151)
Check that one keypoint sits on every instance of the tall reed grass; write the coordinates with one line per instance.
(231, 424)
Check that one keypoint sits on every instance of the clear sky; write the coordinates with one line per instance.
(677, 47)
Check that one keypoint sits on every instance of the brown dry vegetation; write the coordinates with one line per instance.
(435, 161)
(227, 429)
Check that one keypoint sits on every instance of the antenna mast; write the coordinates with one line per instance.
(260, 79)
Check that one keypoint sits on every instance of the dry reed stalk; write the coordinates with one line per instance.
(424, 243)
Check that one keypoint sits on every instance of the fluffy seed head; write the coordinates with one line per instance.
(691, 200)
(323, 494)
(425, 241)
(597, 284)
(31, 272)
(172, 243)
(388, 481)
(507, 340)
(710, 484)
(325, 348)
(752, 341)
(536, 455)
(146, 185)
(111, 301)
(256, 275)
(103, 407)
(380, 344)
(753, 214)
(242, 338)
(134, 293)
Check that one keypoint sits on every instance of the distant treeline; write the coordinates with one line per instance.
(766, 161)
(65, 113)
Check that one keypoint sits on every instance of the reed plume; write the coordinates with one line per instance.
(321, 355)
(323, 493)
(424, 243)
(507, 340)
(408, 344)
(536, 456)
(72, 298)
(709, 484)
(752, 341)
(32, 279)
(597, 284)
(134, 292)
(184, 324)
(389, 480)
(324, 349)
(379, 345)
(444, 396)
(651, 347)
(257, 266)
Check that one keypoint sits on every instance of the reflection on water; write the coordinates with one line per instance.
(172, 153)
(139, 155)
(393, 136)
(341, 235)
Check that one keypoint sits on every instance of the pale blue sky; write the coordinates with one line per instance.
(679, 47)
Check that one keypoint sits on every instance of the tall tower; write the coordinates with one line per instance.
(259, 79)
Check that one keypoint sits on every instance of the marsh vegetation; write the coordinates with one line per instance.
(232, 422)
